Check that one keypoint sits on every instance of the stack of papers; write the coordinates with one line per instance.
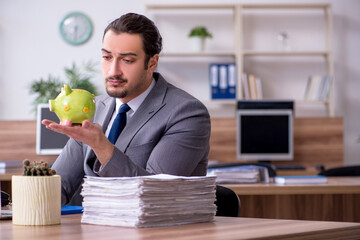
(148, 201)
(240, 174)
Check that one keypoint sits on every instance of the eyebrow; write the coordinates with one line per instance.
(121, 54)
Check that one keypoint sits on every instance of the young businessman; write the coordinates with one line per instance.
(166, 131)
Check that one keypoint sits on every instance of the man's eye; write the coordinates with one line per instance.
(128, 60)
(106, 58)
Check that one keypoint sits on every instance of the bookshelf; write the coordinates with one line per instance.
(238, 49)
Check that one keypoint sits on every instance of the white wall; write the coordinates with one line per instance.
(31, 47)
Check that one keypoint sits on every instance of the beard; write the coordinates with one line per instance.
(116, 92)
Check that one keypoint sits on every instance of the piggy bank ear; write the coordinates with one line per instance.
(52, 105)
(67, 89)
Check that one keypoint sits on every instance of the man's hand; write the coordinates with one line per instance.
(88, 133)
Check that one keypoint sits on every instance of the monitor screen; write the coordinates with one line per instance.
(48, 142)
(264, 134)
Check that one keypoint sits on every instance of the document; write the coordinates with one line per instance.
(300, 179)
(240, 174)
(148, 201)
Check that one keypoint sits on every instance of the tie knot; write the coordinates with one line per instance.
(124, 108)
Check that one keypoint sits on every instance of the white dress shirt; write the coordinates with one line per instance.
(134, 104)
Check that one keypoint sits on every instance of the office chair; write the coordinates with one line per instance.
(227, 202)
(346, 171)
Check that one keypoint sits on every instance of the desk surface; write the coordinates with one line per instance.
(223, 228)
(6, 173)
(335, 185)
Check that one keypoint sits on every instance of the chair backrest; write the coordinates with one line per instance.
(350, 171)
(227, 202)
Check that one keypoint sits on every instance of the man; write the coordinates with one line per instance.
(166, 131)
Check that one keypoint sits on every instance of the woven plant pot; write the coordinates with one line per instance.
(36, 200)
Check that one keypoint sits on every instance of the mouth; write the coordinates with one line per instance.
(116, 82)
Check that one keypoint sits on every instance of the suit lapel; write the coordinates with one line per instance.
(150, 106)
(105, 111)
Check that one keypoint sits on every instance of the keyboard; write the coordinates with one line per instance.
(289, 167)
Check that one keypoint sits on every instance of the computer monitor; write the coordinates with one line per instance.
(48, 142)
(265, 130)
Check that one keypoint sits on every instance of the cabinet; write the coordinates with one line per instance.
(246, 34)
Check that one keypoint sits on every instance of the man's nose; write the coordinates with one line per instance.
(115, 68)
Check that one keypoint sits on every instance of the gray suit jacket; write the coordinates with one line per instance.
(169, 133)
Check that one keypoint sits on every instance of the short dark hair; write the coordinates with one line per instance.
(133, 23)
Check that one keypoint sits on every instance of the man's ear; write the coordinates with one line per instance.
(153, 62)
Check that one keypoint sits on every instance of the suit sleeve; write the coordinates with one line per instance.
(70, 166)
(182, 149)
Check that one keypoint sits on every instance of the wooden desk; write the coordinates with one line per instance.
(338, 200)
(5, 177)
(223, 228)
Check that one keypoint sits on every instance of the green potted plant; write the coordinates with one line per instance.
(76, 77)
(36, 196)
(198, 35)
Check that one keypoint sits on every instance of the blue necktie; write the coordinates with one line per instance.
(119, 123)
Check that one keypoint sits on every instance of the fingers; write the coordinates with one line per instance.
(46, 122)
(67, 123)
(86, 124)
(89, 133)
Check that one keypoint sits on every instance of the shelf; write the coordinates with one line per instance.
(197, 57)
(284, 53)
(186, 7)
(198, 54)
(221, 101)
(312, 101)
(285, 6)
(232, 6)
(241, 52)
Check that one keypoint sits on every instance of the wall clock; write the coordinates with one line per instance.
(76, 28)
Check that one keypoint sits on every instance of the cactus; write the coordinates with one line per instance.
(37, 169)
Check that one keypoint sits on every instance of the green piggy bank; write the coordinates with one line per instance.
(73, 106)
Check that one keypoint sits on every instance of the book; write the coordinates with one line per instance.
(317, 87)
(245, 86)
(314, 85)
(258, 88)
(70, 209)
(326, 88)
(300, 179)
(252, 86)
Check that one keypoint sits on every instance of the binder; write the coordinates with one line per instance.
(214, 81)
(232, 81)
(223, 81)
(223, 78)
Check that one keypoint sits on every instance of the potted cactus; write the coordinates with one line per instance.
(36, 196)
(198, 36)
